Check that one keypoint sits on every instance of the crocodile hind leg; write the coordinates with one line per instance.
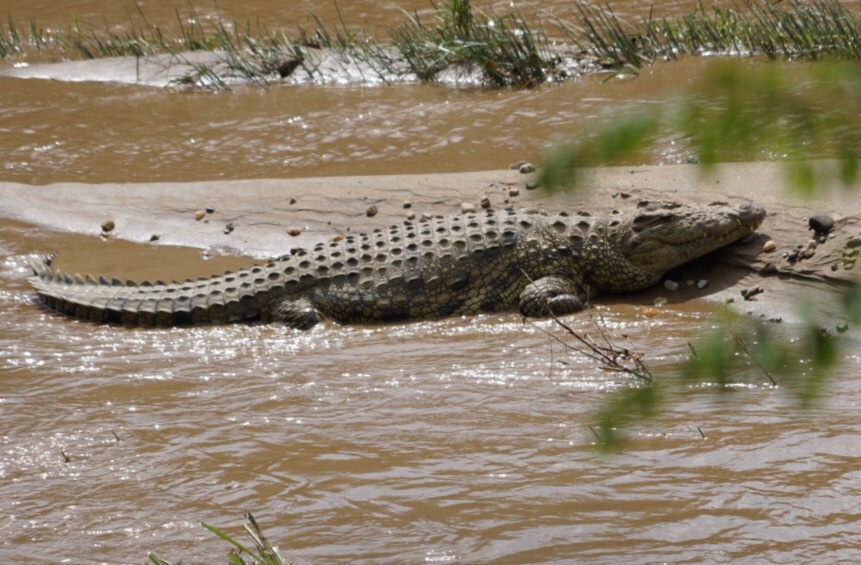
(299, 313)
(551, 295)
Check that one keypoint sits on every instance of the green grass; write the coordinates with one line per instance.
(496, 49)
(263, 553)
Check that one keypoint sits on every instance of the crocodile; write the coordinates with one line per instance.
(483, 261)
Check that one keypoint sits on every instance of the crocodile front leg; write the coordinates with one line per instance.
(551, 295)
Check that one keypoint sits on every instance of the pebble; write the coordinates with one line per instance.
(649, 312)
(750, 293)
(531, 185)
(411, 215)
(526, 168)
(286, 68)
(294, 232)
(338, 237)
(842, 327)
(660, 301)
(702, 283)
(513, 192)
(371, 211)
(229, 228)
(108, 226)
(485, 202)
(154, 237)
(210, 210)
(467, 207)
(292, 201)
(821, 223)
(769, 246)
(199, 215)
(809, 251)
(672, 286)
(408, 205)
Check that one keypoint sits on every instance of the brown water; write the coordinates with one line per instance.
(460, 440)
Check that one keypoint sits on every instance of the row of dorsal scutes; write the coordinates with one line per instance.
(401, 252)
(471, 234)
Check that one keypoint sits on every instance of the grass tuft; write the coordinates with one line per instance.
(497, 49)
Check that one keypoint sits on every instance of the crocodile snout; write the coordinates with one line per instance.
(751, 214)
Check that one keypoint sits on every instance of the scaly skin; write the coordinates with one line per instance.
(463, 264)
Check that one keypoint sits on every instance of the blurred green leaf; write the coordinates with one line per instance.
(635, 404)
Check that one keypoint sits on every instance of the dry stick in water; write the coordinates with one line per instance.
(608, 355)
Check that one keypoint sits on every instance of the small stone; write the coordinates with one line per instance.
(660, 301)
(108, 226)
(408, 205)
(834, 266)
(210, 210)
(411, 215)
(154, 237)
(286, 68)
(729, 300)
(672, 286)
(337, 237)
(750, 293)
(229, 228)
(702, 283)
(467, 207)
(199, 215)
(809, 252)
(426, 216)
(292, 201)
(649, 312)
(485, 202)
(526, 168)
(531, 185)
(371, 211)
(769, 246)
(517, 165)
(842, 327)
(294, 232)
(513, 192)
(821, 223)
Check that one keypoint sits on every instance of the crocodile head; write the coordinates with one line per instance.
(663, 235)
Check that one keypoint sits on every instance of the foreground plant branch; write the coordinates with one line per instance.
(730, 114)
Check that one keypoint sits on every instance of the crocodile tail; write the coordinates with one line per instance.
(231, 297)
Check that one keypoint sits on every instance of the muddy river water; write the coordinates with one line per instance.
(462, 440)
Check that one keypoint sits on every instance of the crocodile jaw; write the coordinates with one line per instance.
(662, 236)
